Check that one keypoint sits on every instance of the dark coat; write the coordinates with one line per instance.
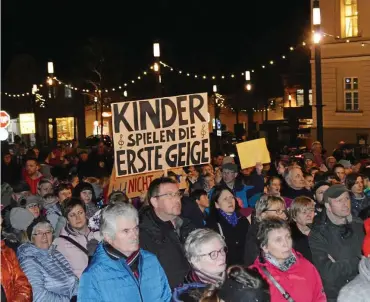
(343, 243)
(191, 211)
(358, 204)
(11, 174)
(300, 242)
(251, 249)
(291, 193)
(234, 236)
(166, 243)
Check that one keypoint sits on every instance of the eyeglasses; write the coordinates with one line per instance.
(278, 211)
(42, 234)
(32, 205)
(172, 195)
(214, 254)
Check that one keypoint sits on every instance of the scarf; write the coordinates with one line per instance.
(198, 276)
(231, 219)
(281, 266)
(132, 261)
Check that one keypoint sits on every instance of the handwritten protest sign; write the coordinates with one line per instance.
(252, 152)
(135, 185)
(159, 134)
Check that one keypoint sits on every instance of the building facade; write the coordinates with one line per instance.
(345, 67)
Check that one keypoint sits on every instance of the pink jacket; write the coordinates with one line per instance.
(301, 281)
(75, 256)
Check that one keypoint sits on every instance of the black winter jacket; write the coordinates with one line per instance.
(336, 252)
(300, 242)
(234, 236)
(163, 240)
(252, 249)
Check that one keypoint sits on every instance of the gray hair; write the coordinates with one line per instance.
(110, 214)
(288, 174)
(265, 202)
(197, 239)
(41, 225)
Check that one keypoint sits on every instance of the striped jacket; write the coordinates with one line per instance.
(49, 273)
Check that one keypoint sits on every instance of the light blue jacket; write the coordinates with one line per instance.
(109, 280)
(49, 273)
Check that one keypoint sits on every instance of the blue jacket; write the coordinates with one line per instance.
(49, 273)
(240, 191)
(109, 280)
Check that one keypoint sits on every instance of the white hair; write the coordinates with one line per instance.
(42, 225)
(288, 175)
(197, 239)
(110, 214)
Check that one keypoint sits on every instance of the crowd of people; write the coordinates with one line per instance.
(296, 229)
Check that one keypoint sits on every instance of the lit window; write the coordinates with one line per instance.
(65, 128)
(350, 18)
(351, 98)
(310, 97)
(67, 92)
(300, 98)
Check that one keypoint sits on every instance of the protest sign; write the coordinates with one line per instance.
(135, 185)
(252, 152)
(159, 134)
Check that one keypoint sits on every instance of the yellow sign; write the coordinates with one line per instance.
(252, 152)
(136, 185)
(27, 123)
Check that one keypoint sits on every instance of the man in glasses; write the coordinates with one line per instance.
(162, 230)
(335, 241)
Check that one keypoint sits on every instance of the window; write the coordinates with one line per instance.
(310, 97)
(351, 94)
(65, 128)
(350, 18)
(67, 92)
(300, 98)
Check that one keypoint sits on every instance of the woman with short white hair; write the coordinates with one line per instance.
(206, 251)
(47, 270)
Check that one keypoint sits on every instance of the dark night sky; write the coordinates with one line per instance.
(196, 35)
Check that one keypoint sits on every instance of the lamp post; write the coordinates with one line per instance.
(316, 18)
(157, 67)
(248, 88)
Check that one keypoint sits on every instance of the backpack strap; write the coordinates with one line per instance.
(277, 285)
(220, 229)
(75, 243)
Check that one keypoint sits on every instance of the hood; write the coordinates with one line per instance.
(364, 268)
(28, 249)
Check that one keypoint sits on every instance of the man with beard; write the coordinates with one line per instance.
(119, 270)
(335, 241)
(163, 232)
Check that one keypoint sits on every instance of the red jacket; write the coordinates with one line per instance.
(302, 281)
(366, 244)
(13, 280)
(32, 182)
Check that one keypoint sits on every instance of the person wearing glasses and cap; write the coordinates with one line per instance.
(206, 252)
(335, 241)
(162, 231)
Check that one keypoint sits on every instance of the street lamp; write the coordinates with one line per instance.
(156, 67)
(316, 18)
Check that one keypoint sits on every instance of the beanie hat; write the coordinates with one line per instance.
(228, 160)
(231, 167)
(21, 187)
(32, 199)
(20, 218)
